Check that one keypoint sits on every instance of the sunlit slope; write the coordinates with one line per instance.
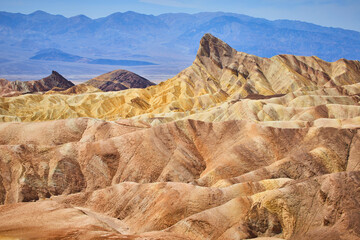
(219, 74)
(296, 109)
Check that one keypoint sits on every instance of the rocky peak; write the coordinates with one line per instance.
(119, 80)
(14, 88)
(3, 82)
(214, 48)
(55, 79)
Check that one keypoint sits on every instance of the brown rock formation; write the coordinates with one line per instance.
(54, 80)
(119, 80)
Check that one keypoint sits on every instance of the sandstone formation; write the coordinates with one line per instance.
(119, 80)
(54, 80)
(233, 147)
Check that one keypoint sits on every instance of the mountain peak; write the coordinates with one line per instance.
(16, 88)
(119, 80)
(57, 76)
(81, 17)
(39, 12)
(55, 79)
(214, 48)
(55, 73)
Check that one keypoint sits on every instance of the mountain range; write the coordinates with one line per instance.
(169, 40)
(53, 54)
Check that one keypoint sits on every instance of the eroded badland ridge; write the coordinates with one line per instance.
(233, 147)
(220, 78)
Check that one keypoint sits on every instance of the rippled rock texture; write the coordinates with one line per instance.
(186, 179)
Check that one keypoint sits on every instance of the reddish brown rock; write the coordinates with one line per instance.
(55, 80)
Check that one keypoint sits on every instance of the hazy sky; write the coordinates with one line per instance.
(335, 13)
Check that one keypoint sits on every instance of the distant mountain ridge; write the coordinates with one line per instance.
(53, 54)
(167, 38)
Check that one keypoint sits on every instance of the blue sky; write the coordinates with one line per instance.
(334, 13)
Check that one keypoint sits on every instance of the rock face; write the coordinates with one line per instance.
(234, 147)
(119, 80)
(55, 80)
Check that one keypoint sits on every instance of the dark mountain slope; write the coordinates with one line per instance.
(119, 80)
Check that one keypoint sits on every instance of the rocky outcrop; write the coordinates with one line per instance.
(119, 80)
(54, 80)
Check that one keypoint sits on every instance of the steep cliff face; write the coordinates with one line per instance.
(54, 80)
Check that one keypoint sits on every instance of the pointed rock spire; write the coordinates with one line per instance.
(55, 79)
(214, 48)
(212, 45)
